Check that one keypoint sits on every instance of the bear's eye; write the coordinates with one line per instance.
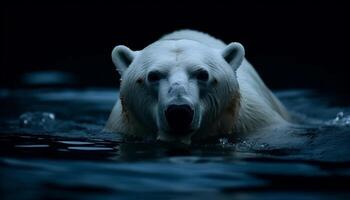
(154, 76)
(202, 75)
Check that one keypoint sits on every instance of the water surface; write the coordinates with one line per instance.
(52, 147)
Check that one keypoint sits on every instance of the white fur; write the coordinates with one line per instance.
(141, 112)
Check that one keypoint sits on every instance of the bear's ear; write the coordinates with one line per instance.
(122, 57)
(234, 54)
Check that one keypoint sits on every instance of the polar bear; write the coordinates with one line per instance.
(189, 86)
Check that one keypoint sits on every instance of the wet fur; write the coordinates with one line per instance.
(251, 107)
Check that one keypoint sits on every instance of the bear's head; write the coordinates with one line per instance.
(179, 89)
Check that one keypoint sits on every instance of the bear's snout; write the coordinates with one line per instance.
(179, 118)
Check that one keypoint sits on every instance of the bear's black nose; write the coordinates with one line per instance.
(179, 118)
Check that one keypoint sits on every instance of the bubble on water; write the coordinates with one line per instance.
(37, 120)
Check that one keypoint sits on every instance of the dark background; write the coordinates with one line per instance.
(292, 45)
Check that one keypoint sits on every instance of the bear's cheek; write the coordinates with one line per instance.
(217, 96)
(140, 100)
(153, 90)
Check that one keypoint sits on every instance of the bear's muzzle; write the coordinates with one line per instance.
(179, 119)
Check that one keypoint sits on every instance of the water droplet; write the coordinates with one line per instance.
(339, 116)
(223, 141)
(37, 120)
(263, 145)
(340, 120)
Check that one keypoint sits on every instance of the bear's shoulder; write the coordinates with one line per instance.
(258, 105)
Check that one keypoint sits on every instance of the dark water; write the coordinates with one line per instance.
(52, 147)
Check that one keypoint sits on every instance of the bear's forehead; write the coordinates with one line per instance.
(177, 51)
